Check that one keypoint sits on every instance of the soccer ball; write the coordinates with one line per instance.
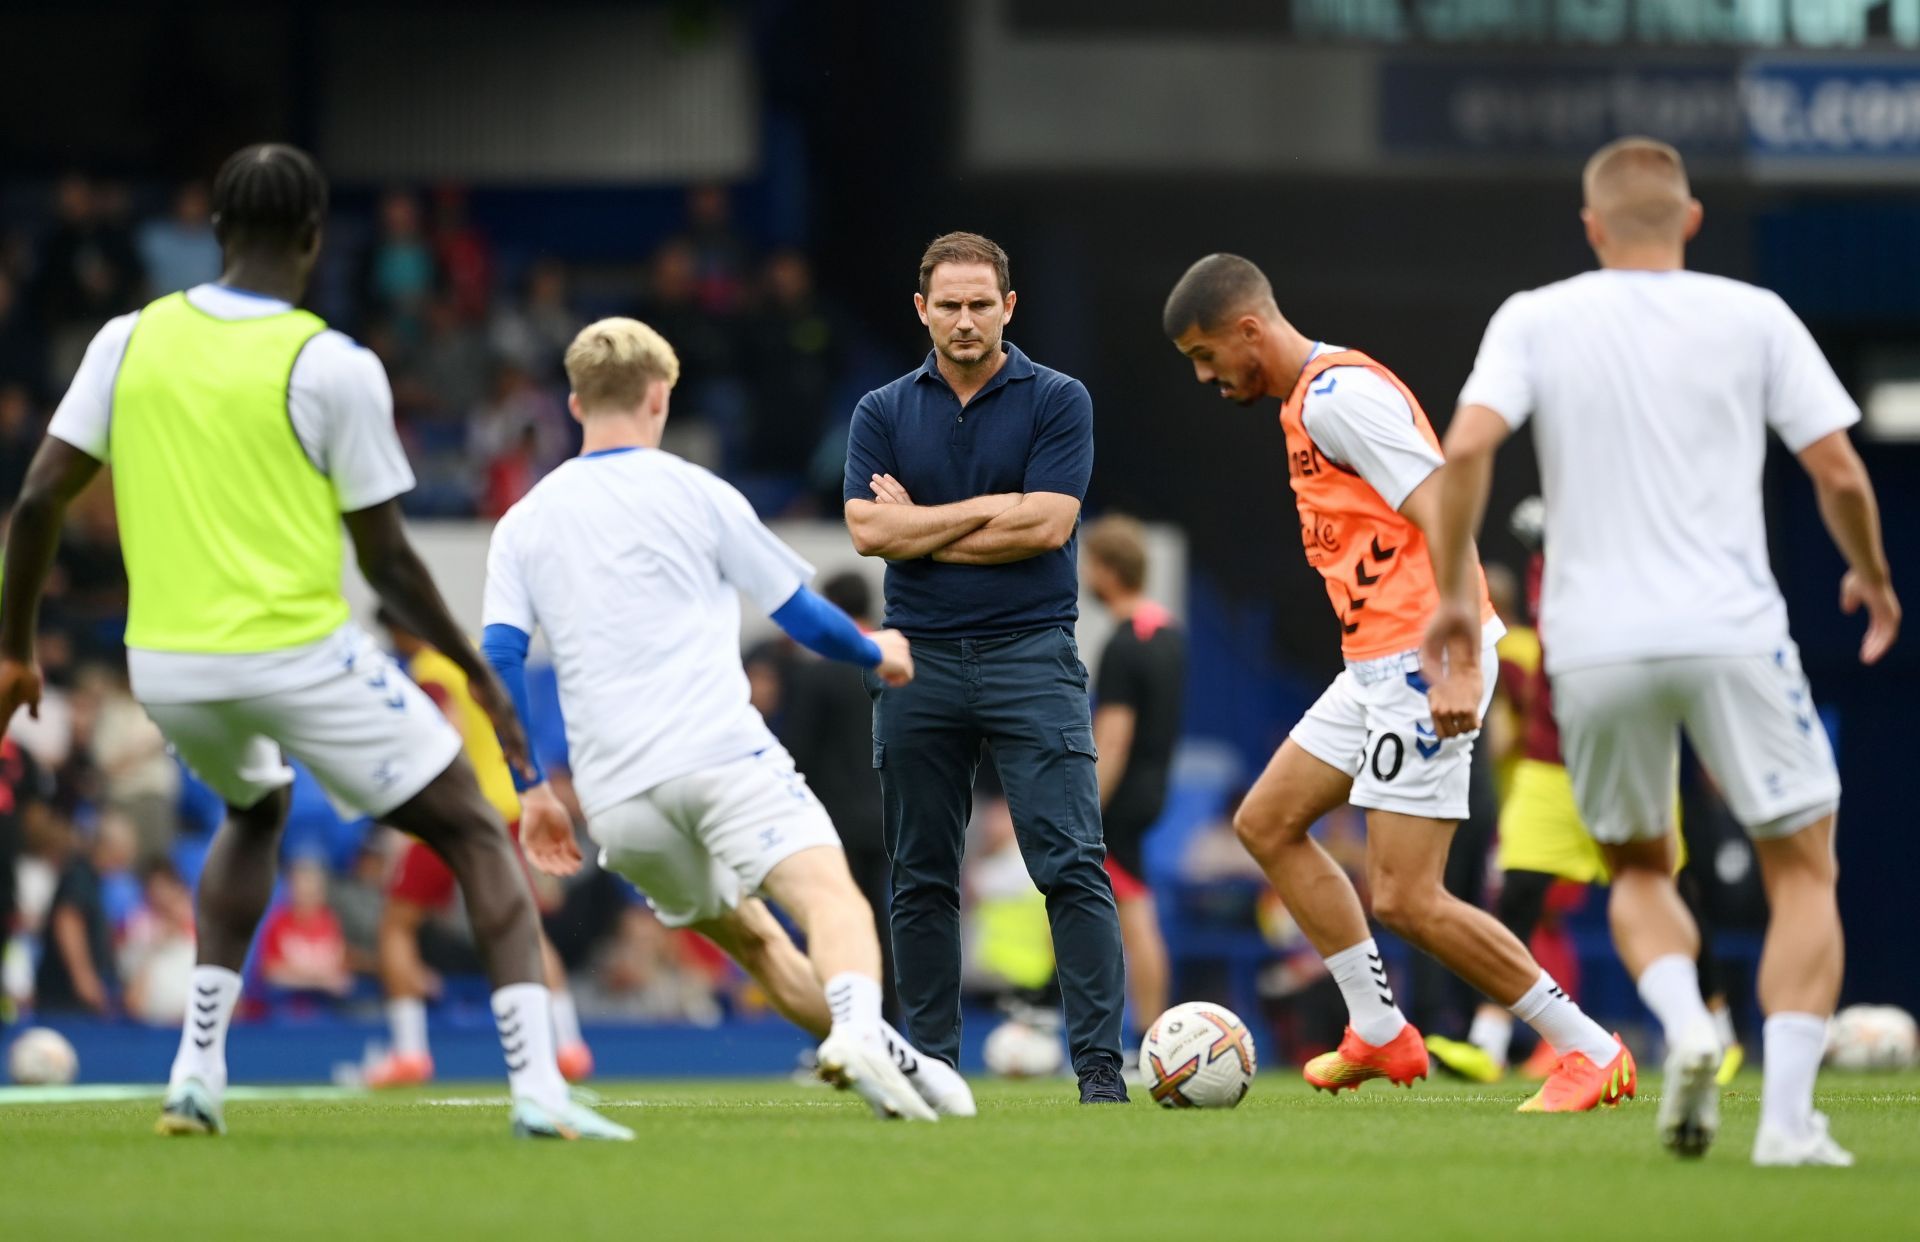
(1873, 1037)
(42, 1058)
(1017, 1049)
(1198, 1055)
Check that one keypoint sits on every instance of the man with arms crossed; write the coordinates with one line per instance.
(633, 562)
(966, 474)
(241, 432)
(1362, 460)
(1651, 390)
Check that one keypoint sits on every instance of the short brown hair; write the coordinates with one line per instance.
(1638, 186)
(1120, 543)
(1212, 290)
(964, 248)
(612, 363)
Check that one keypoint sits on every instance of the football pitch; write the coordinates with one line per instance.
(765, 1159)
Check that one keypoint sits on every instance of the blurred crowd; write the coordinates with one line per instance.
(471, 332)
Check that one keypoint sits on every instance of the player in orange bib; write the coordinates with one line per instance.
(1361, 458)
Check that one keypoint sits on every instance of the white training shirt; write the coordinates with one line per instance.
(632, 562)
(1651, 394)
(342, 412)
(1359, 420)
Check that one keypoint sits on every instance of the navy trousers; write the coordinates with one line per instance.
(1025, 696)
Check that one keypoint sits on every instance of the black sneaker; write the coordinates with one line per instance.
(1103, 1086)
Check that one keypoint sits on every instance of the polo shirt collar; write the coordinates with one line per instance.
(1017, 367)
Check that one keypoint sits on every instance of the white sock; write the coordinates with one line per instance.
(1723, 1026)
(407, 1019)
(1362, 977)
(203, 1035)
(1563, 1024)
(1795, 1043)
(1492, 1033)
(1671, 987)
(566, 1020)
(855, 1001)
(524, 1014)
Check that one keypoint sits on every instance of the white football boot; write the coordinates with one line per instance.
(1775, 1147)
(1690, 1094)
(864, 1064)
(938, 1083)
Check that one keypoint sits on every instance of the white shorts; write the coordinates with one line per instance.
(1373, 723)
(371, 737)
(697, 845)
(1751, 718)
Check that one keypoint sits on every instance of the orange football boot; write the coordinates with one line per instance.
(1577, 1085)
(576, 1062)
(401, 1069)
(1540, 1065)
(1400, 1060)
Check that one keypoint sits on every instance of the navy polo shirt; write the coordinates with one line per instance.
(1029, 430)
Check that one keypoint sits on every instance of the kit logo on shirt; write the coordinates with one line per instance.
(1319, 538)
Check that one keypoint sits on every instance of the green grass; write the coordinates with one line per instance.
(727, 1160)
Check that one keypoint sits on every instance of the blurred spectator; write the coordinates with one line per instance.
(141, 780)
(358, 898)
(19, 435)
(719, 255)
(77, 971)
(157, 950)
(302, 948)
(516, 436)
(464, 255)
(710, 386)
(87, 274)
(1009, 945)
(454, 363)
(179, 250)
(645, 972)
(533, 334)
(828, 728)
(794, 349)
(22, 793)
(21, 361)
(399, 277)
(92, 599)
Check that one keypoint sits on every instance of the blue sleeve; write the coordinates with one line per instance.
(869, 450)
(819, 626)
(505, 647)
(1062, 456)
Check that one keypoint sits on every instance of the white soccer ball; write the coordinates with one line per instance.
(1198, 1055)
(1873, 1037)
(42, 1058)
(1018, 1049)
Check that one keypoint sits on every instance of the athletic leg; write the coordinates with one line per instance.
(1146, 950)
(1800, 973)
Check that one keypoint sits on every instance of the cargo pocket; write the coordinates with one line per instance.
(879, 755)
(1081, 789)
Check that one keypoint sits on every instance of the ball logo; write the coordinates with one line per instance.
(1198, 1055)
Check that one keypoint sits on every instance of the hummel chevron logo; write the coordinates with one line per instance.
(1428, 749)
(1383, 554)
(206, 1006)
(207, 989)
(514, 1050)
(1327, 387)
(203, 1044)
(1360, 574)
(206, 1025)
(515, 1066)
(510, 1032)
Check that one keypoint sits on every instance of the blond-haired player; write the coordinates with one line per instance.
(1651, 390)
(632, 562)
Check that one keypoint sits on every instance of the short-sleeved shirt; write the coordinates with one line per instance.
(341, 408)
(1651, 394)
(1143, 667)
(633, 562)
(1029, 430)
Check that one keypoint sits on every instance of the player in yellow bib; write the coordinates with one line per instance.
(242, 433)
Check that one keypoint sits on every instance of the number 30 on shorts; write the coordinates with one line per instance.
(1385, 755)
